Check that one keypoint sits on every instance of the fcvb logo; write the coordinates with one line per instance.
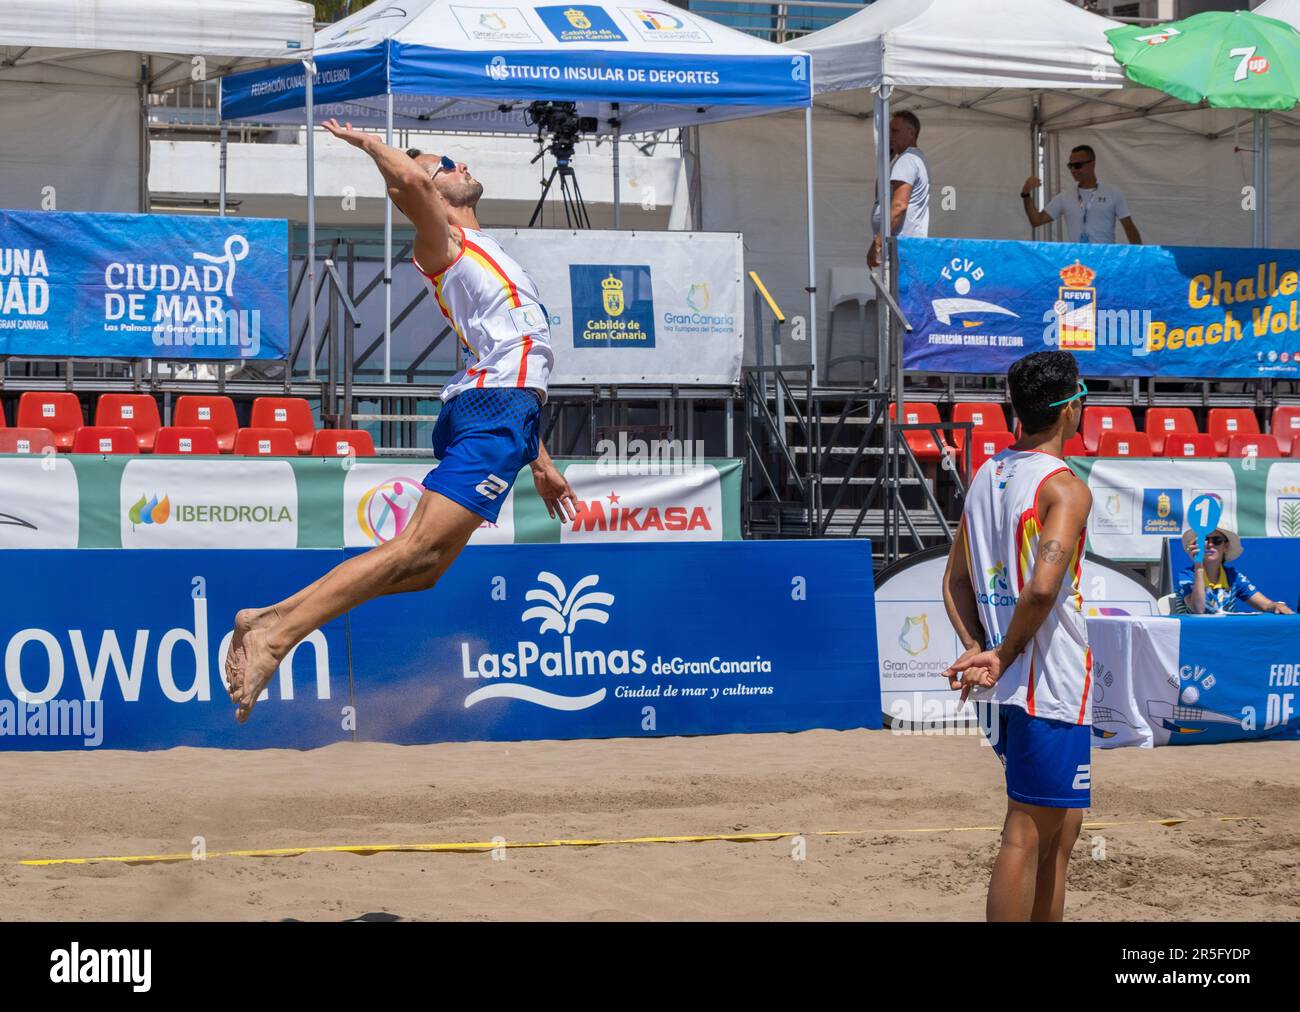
(964, 273)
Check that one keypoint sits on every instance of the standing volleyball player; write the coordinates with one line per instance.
(1012, 593)
(486, 432)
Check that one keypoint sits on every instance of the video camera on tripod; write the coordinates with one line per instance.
(562, 122)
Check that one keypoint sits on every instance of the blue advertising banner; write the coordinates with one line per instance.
(527, 642)
(546, 641)
(1238, 678)
(978, 305)
(127, 650)
(143, 286)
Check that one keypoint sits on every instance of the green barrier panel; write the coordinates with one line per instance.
(91, 501)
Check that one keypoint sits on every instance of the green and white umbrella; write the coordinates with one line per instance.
(1230, 59)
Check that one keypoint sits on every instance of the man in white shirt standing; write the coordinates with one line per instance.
(1090, 211)
(909, 180)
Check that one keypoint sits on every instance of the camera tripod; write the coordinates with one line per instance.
(575, 208)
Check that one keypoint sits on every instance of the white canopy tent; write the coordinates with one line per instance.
(438, 65)
(1044, 66)
(74, 76)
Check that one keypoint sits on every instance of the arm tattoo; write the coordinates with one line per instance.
(1052, 552)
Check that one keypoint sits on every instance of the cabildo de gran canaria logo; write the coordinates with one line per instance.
(559, 609)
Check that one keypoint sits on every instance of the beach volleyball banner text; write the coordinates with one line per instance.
(143, 286)
(514, 643)
(978, 305)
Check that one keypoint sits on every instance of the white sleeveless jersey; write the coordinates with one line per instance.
(1053, 675)
(493, 306)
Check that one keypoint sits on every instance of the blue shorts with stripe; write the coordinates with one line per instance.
(482, 438)
(1047, 762)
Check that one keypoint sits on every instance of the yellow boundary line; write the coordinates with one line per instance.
(478, 847)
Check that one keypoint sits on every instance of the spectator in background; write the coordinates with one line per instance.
(1212, 587)
(1090, 210)
(909, 181)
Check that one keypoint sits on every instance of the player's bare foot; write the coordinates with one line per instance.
(246, 620)
(258, 667)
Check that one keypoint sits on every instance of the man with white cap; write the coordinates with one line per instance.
(1211, 587)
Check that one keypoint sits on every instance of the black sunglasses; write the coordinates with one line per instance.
(1216, 540)
(1079, 165)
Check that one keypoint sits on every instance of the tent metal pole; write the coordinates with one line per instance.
(1257, 181)
(388, 257)
(884, 368)
(1264, 196)
(812, 244)
(618, 206)
(221, 186)
(309, 68)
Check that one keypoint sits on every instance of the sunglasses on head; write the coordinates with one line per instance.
(1078, 165)
(1083, 392)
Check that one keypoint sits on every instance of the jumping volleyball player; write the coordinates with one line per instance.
(487, 430)
(1012, 593)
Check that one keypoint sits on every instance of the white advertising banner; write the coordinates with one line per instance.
(917, 642)
(1136, 504)
(380, 499)
(638, 307)
(675, 504)
(170, 503)
(40, 507)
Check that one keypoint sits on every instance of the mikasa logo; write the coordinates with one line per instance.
(559, 610)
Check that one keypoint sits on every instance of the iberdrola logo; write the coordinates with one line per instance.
(151, 511)
(998, 577)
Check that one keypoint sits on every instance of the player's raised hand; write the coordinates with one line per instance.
(356, 138)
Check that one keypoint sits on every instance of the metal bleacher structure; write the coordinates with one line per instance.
(822, 459)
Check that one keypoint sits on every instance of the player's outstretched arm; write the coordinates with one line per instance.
(1063, 504)
(411, 189)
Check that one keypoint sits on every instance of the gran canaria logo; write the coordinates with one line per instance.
(998, 577)
(914, 637)
(577, 18)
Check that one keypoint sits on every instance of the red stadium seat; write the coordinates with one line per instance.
(1074, 447)
(1190, 444)
(182, 439)
(1253, 446)
(25, 440)
(1224, 423)
(105, 439)
(1286, 426)
(265, 443)
(983, 417)
(342, 442)
(215, 413)
(286, 412)
(984, 445)
(1161, 422)
(1099, 419)
(58, 412)
(920, 441)
(137, 412)
(1124, 444)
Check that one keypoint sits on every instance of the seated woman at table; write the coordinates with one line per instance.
(1212, 587)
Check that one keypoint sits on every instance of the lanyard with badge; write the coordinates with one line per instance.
(1083, 228)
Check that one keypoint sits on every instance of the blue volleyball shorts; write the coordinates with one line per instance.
(482, 439)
